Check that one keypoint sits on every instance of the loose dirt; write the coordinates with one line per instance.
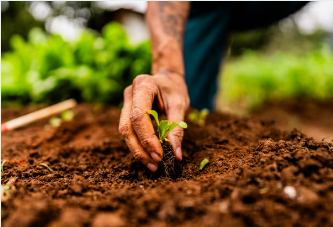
(257, 175)
(314, 118)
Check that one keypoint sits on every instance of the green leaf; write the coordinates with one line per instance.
(169, 127)
(155, 115)
(197, 117)
(55, 122)
(67, 115)
(43, 164)
(203, 163)
(162, 129)
(204, 113)
(174, 125)
(193, 116)
(182, 124)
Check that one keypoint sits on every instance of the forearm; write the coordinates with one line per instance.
(167, 24)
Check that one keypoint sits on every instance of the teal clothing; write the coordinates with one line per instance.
(207, 31)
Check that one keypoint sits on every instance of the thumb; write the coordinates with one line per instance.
(176, 135)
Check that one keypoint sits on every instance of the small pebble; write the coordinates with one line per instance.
(290, 191)
(263, 190)
(224, 206)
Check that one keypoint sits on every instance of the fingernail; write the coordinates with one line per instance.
(152, 167)
(156, 157)
(179, 153)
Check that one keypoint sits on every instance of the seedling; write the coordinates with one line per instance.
(55, 121)
(197, 117)
(67, 115)
(6, 191)
(203, 163)
(169, 165)
(43, 164)
(2, 164)
(164, 127)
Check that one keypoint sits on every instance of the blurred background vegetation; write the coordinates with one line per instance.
(95, 65)
(91, 51)
(277, 64)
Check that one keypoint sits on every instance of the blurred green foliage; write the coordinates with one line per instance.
(42, 68)
(272, 38)
(93, 68)
(16, 19)
(255, 77)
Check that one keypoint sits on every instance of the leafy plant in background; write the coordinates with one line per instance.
(93, 68)
(253, 78)
(198, 117)
(67, 115)
(55, 122)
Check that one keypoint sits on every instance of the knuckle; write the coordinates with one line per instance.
(140, 79)
(136, 114)
(138, 155)
(128, 91)
(146, 142)
(178, 132)
(124, 129)
(149, 86)
(179, 105)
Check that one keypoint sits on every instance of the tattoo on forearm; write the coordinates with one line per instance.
(173, 16)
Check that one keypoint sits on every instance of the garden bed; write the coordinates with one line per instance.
(313, 117)
(257, 175)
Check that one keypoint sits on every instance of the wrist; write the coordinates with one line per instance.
(172, 74)
(168, 57)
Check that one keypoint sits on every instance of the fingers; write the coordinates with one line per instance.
(144, 91)
(126, 130)
(176, 113)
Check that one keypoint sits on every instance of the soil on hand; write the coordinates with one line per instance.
(257, 175)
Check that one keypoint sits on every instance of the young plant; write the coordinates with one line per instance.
(164, 127)
(49, 168)
(203, 163)
(2, 164)
(197, 117)
(55, 121)
(6, 191)
(169, 166)
(67, 115)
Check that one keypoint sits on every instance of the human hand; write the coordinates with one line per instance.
(169, 91)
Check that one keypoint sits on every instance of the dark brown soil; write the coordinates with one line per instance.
(169, 166)
(249, 181)
(314, 118)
